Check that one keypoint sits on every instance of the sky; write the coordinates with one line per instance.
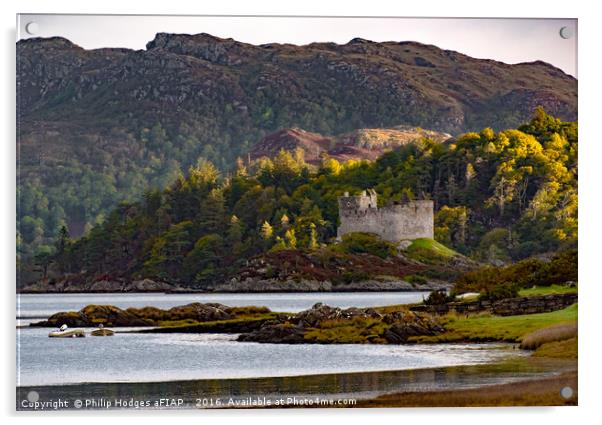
(505, 40)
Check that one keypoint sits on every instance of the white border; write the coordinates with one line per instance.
(590, 157)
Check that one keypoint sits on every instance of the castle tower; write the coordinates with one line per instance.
(411, 220)
(353, 205)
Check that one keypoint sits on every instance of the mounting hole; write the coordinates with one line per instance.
(32, 28)
(566, 392)
(566, 32)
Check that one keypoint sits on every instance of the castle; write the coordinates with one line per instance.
(394, 223)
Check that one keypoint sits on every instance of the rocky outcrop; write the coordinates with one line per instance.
(507, 307)
(251, 284)
(276, 333)
(324, 270)
(362, 325)
(368, 143)
(76, 284)
(408, 324)
(109, 315)
(93, 315)
(194, 311)
(320, 312)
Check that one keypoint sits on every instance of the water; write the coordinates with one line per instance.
(41, 306)
(129, 357)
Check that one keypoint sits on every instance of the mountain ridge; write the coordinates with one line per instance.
(98, 127)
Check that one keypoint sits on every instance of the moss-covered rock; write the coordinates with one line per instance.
(189, 314)
(93, 315)
(404, 325)
(323, 324)
(195, 311)
(279, 333)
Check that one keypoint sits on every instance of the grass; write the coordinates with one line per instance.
(426, 244)
(552, 333)
(539, 392)
(486, 327)
(566, 349)
(547, 290)
(235, 325)
(355, 331)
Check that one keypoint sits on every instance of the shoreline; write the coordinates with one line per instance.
(249, 286)
(547, 391)
(192, 291)
(369, 389)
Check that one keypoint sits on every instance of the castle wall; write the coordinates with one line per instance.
(394, 223)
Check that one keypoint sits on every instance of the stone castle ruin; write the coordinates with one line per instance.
(394, 223)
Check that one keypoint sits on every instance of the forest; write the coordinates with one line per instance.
(100, 127)
(499, 197)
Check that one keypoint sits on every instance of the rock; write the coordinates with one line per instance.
(148, 285)
(253, 284)
(199, 312)
(409, 324)
(79, 283)
(505, 307)
(106, 286)
(320, 312)
(93, 315)
(403, 325)
(194, 311)
(284, 333)
(109, 315)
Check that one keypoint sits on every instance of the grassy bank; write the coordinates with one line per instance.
(426, 247)
(486, 327)
(547, 290)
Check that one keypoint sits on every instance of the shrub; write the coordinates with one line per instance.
(366, 243)
(478, 280)
(349, 277)
(561, 269)
(416, 279)
(500, 292)
(270, 272)
(525, 274)
(438, 298)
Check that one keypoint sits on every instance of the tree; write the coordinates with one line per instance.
(331, 166)
(313, 236)
(63, 240)
(284, 221)
(203, 262)
(266, 231)
(211, 215)
(451, 225)
(234, 237)
(169, 250)
(43, 259)
(290, 238)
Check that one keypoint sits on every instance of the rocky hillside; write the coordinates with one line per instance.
(185, 78)
(97, 127)
(366, 143)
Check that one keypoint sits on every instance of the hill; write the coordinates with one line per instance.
(98, 127)
(498, 197)
(365, 143)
